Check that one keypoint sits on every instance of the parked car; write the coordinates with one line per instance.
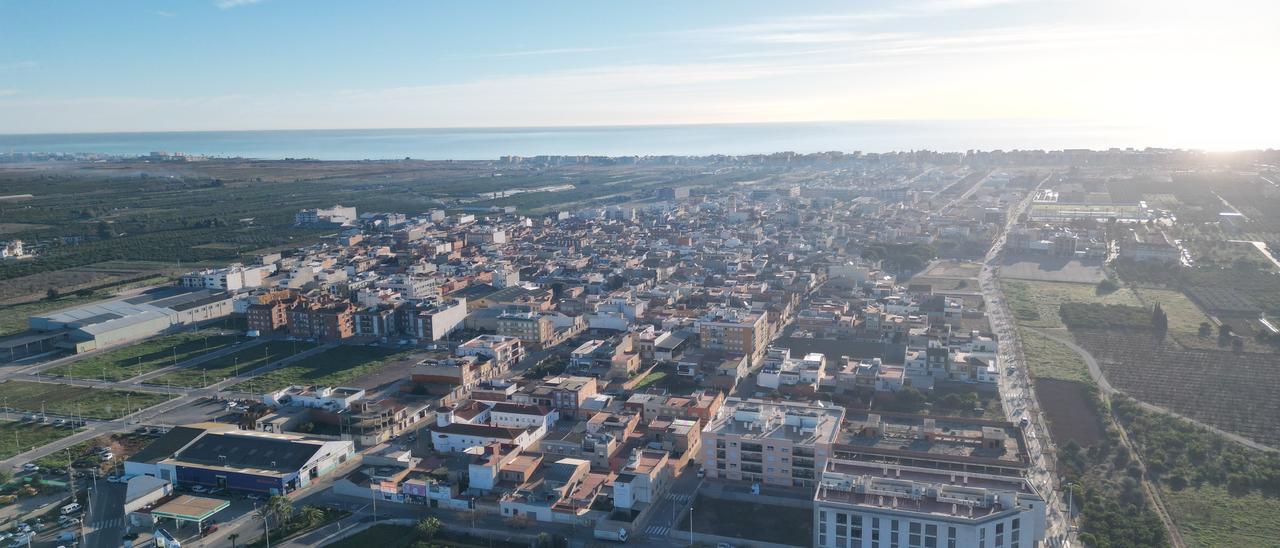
(30, 467)
(199, 489)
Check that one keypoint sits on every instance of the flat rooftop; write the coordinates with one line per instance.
(803, 423)
(936, 438)
(953, 495)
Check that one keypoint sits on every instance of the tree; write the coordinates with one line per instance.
(52, 294)
(1206, 329)
(1107, 286)
(233, 537)
(311, 515)
(280, 508)
(428, 527)
(1159, 321)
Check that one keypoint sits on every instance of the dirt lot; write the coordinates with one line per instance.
(1051, 269)
(1069, 409)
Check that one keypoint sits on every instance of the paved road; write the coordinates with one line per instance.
(104, 524)
(673, 504)
(1017, 397)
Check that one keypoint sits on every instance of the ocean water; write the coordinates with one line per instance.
(491, 143)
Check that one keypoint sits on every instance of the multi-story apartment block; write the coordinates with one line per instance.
(430, 321)
(534, 328)
(775, 443)
(915, 482)
(314, 320)
(735, 332)
(503, 351)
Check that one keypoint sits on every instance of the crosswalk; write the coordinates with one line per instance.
(679, 498)
(657, 531)
(108, 523)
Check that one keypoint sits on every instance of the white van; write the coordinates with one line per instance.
(71, 508)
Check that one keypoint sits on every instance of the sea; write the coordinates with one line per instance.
(686, 140)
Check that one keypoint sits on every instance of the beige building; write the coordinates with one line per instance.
(735, 332)
(774, 443)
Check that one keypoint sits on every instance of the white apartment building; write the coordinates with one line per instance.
(911, 481)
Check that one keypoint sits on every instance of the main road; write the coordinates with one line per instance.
(1015, 389)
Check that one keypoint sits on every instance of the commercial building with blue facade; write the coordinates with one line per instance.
(220, 456)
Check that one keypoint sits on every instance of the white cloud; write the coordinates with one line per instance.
(162, 13)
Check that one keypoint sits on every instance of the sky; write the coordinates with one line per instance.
(1199, 72)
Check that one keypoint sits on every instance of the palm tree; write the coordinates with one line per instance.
(311, 515)
(280, 507)
(233, 537)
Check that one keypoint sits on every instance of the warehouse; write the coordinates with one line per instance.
(113, 322)
(220, 456)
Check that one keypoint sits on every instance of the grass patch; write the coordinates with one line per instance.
(1209, 516)
(61, 399)
(144, 357)
(226, 366)
(749, 520)
(1050, 359)
(16, 437)
(649, 379)
(332, 367)
(1036, 304)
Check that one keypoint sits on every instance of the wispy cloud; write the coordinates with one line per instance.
(162, 13)
(8, 92)
(550, 51)
(228, 4)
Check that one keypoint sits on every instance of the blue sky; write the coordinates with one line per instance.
(1196, 68)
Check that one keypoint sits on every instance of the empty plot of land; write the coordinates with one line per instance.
(1052, 269)
(753, 521)
(66, 400)
(1035, 304)
(1071, 412)
(131, 361)
(1050, 359)
(333, 367)
(952, 269)
(17, 437)
(229, 365)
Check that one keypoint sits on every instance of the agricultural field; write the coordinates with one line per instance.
(223, 367)
(332, 367)
(1234, 392)
(1209, 516)
(1218, 492)
(92, 277)
(130, 361)
(18, 437)
(67, 400)
(1036, 304)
